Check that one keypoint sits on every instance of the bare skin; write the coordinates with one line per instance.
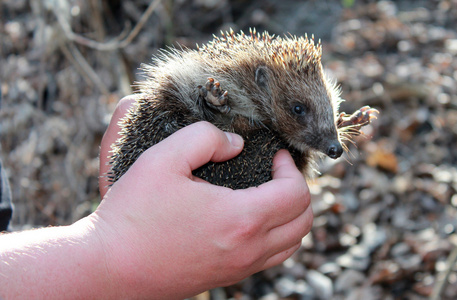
(110, 136)
(160, 232)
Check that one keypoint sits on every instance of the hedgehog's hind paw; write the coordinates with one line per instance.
(214, 96)
(360, 118)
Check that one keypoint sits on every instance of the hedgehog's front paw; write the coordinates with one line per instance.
(214, 96)
(358, 119)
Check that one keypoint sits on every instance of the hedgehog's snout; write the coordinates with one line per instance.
(334, 150)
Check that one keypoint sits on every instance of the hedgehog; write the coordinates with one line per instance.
(269, 89)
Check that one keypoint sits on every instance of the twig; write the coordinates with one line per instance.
(441, 278)
(108, 46)
(73, 54)
(43, 58)
(68, 55)
(97, 19)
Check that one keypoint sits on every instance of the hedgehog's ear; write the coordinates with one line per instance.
(262, 78)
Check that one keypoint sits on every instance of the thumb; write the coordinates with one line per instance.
(195, 145)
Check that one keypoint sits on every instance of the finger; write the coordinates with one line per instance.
(110, 136)
(289, 234)
(282, 199)
(284, 165)
(195, 145)
(280, 257)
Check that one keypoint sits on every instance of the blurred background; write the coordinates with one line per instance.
(386, 214)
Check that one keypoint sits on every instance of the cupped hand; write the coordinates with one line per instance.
(169, 234)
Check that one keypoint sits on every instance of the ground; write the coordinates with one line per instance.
(386, 214)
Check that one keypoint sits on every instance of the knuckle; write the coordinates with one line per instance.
(308, 221)
(246, 230)
(297, 194)
(147, 161)
(209, 132)
(305, 224)
(205, 127)
(244, 262)
(302, 194)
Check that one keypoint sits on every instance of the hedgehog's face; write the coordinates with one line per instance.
(303, 111)
(311, 124)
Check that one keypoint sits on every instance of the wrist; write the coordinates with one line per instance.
(138, 265)
(126, 268)
(94, 257)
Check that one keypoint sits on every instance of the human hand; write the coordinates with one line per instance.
(164, 228)
(162, 233)
(110, 137)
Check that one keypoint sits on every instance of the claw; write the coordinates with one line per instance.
(224, 98)
(216, 90)
(209, 84)
(214, 96)
(358, 119)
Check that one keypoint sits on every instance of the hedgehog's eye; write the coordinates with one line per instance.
(298, 109)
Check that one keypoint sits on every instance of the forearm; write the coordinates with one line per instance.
(53, 262)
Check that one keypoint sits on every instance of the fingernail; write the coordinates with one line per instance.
(234, 139)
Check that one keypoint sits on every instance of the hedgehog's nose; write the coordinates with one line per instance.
(335, 150)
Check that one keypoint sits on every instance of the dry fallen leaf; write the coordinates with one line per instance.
(382, 157)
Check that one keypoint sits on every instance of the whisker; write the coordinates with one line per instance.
(347, 160)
